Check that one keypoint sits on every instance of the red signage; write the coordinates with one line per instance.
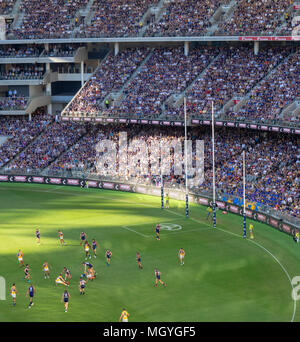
(267, 38)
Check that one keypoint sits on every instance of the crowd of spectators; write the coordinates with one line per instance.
(222, 75)
(185, 18)
(167, 72)
(111, 76)
(13, 103)
(20, 132)
(22, 71)
(55, 139)
(255, 18)
(121, 18)
(231, 76)
(20, 51)
(116, 18)
(274, 93)
(50, 19)
(272, 179)
(6, 6)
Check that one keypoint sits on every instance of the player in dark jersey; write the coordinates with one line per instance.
(30, 292)
(157, 229)
(89, 266)
(138, 259)
(82, 238)
(65, 297)
(38, 237)
(67, 274)
(82, 283)
(108, 255)
(26, 272)
(94, 246)
(157, 278)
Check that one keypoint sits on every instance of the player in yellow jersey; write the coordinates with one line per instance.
(61, 237)
(46, 270)
(251, 231)
(181, 255)
(297, 236)
(91, 274)
(60, 280)
(87, 250)
(13, 293)
(20, 258)
(209, 213)
(124, 316)
(167, 201)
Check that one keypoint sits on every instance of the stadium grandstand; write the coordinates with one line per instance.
(136, 62)
(74, 73)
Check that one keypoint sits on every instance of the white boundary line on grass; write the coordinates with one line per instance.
(274, 257)
(134, 231)
(225, 231)
(256, 243)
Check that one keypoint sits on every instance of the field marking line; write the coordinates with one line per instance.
(138, 224)
(187, 231)
(132, 230)
(274, 257)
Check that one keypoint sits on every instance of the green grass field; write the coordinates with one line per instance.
(225, 277)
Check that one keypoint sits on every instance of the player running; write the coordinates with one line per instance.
(65, 297)
(87, 250)
(38, 237)
(26, 272)
(157, 229)
(124, 316)
(60, 280)
(138, 260)
(108, 255)
(94, 246)
(67, 274)
(181, 255)
(61, 238)
(13, 292)
(46, 270)
(157, 278)
(20, 258)
(82, 283)
(83, 237)
(30, 292)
